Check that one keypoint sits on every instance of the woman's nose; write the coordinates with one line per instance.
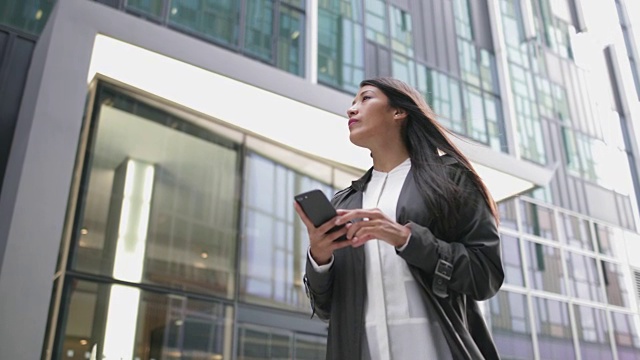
(352, 111)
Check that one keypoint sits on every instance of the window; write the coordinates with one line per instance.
(615, 282)
(215, 20)
(124, 322)
(259, 29)
(510, 247)
(545, 270)
(260, 342)
(538, 220)
(583, 277)
(555, 338)
(401, 36)
(510, 325)
(340, 44)
(159, 201)
(376, 21)
(577, 232)
(593, 333)
(275, 241)
(626, 336)
(28, 16)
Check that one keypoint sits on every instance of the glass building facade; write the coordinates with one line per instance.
(180, 240)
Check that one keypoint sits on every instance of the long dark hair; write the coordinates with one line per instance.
(424, 136)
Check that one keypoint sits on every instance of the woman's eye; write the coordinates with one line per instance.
(366, 98)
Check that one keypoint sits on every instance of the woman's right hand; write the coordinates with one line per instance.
(322, 244)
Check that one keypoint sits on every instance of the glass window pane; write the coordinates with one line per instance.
(309, 347)
(403, 68)
(593, 333)
(213, 19)
(340, 46)
(583, 277)
(510, 325)
(545, 268)
(468, 55)
(258, 36)
(616, 281)
(122, 322)
(401, 37)
(538, 220)
(275, 241)
(376, 20)
(159, 205)
(626, 336)
(610, 240)
(555, 338)
(577, 232)
(507, 210)
(28, 16)
(475, 114)
(148, 7)
(511, 260)
(291, 41)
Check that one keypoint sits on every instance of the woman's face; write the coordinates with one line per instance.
(371, 119)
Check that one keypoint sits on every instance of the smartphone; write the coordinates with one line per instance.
(318, 209)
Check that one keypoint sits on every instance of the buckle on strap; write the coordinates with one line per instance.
(441, 278)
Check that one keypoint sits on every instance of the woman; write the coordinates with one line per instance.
(422, 240)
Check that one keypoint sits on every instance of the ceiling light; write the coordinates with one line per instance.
(83, 342)
(295, 35)
(204, 255)
(84, 231)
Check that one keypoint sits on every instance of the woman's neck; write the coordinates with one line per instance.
(385, 161)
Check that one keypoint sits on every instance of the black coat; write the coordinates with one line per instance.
(467, 259)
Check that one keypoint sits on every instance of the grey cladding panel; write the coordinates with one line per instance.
(481, 24)
(15, 57)
(420, 26)
(450, 38)
(370, 60)
(429, 25)
(384, 62)
(439, 33)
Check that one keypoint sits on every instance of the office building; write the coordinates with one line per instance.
(150, 151)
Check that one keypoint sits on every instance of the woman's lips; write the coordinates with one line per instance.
(352, 121)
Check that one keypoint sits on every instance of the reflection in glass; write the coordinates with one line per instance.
(401, 37)
(593, 333)
(259, 29)
(156, 326)
(340, 44)
(626, 336)
(610, 240)
(376, 20)
(275, 241)
(511, 260)
(545, 268)
(577, 232)
(212, 19)
(555, 339)
(152, 8)
(263, 343)
(510, 325)
(159, 204)
(403, 68)
(474, 113)
(538, 220)
(28, 16)
(507, 210)
(291, 41)
(583, 277)
(615, 284)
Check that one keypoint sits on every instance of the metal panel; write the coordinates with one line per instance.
(450, 39)
(428, 17)
(481, 24)
(370, 60)
(420, 28)
(384, 62)
(15, 56)
(440, 39)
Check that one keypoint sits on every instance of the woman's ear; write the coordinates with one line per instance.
(400, 114)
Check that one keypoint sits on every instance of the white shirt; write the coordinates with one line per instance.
(398, 323)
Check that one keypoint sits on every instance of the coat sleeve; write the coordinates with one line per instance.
(467, 263)
(319, 286)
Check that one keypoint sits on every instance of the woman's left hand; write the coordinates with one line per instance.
(364, 225)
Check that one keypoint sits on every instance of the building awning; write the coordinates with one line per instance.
(266, 114)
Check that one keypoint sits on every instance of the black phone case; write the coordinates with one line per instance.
(318, 208)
